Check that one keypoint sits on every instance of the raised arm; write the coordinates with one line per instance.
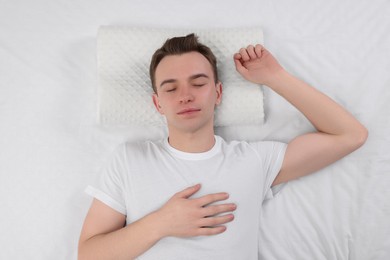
(105, 236)
(339, 133)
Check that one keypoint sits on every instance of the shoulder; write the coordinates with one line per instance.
(140, 145)
(127, 155)
(268, 145)
(142, 149)
(253, 146)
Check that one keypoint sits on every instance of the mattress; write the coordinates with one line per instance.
(52, 146)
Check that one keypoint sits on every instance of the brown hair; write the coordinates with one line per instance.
(178, 46)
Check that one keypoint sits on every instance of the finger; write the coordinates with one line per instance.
(216, 221)
(188, 192)
(211, 198)
(239, 67)
(244, 54)
(209, 231)
(237, 56)
(251, 51)
(213, 210)
(259, 50)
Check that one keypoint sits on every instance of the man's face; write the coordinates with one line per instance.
(186, 91)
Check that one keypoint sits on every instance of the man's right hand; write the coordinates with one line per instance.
(182, 216)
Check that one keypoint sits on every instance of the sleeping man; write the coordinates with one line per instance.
(194, 195)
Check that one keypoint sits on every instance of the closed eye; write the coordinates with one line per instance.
(171, 90)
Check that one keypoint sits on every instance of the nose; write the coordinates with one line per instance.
(185, 95)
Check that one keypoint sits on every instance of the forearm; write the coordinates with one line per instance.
(326, 115)
(125, 243)
(339, 133)
(103, 236)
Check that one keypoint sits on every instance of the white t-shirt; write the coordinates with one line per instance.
(141, 177)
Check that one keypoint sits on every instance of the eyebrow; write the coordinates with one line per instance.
(195, 76)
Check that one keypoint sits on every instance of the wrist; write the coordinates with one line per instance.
(281, 82)
(157, 225)
(278, 78)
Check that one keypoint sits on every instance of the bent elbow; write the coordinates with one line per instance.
(360, 137)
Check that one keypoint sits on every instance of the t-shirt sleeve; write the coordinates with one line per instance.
(271, 155)
(110, 186)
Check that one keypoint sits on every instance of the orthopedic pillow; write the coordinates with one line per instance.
(125, 91)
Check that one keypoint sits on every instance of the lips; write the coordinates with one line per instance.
(188, 111)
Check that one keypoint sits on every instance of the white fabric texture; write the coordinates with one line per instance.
(141, 177)
(124, 55)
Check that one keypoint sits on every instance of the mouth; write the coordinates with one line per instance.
(188, 111)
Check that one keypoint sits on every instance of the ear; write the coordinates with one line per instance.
(218, 89)
(156, 103)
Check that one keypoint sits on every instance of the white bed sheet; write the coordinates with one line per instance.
(51, 146)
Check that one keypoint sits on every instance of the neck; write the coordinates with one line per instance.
(192, 142)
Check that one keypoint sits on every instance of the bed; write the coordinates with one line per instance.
(52, 145)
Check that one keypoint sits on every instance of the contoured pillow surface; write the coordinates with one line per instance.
(125, 91)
